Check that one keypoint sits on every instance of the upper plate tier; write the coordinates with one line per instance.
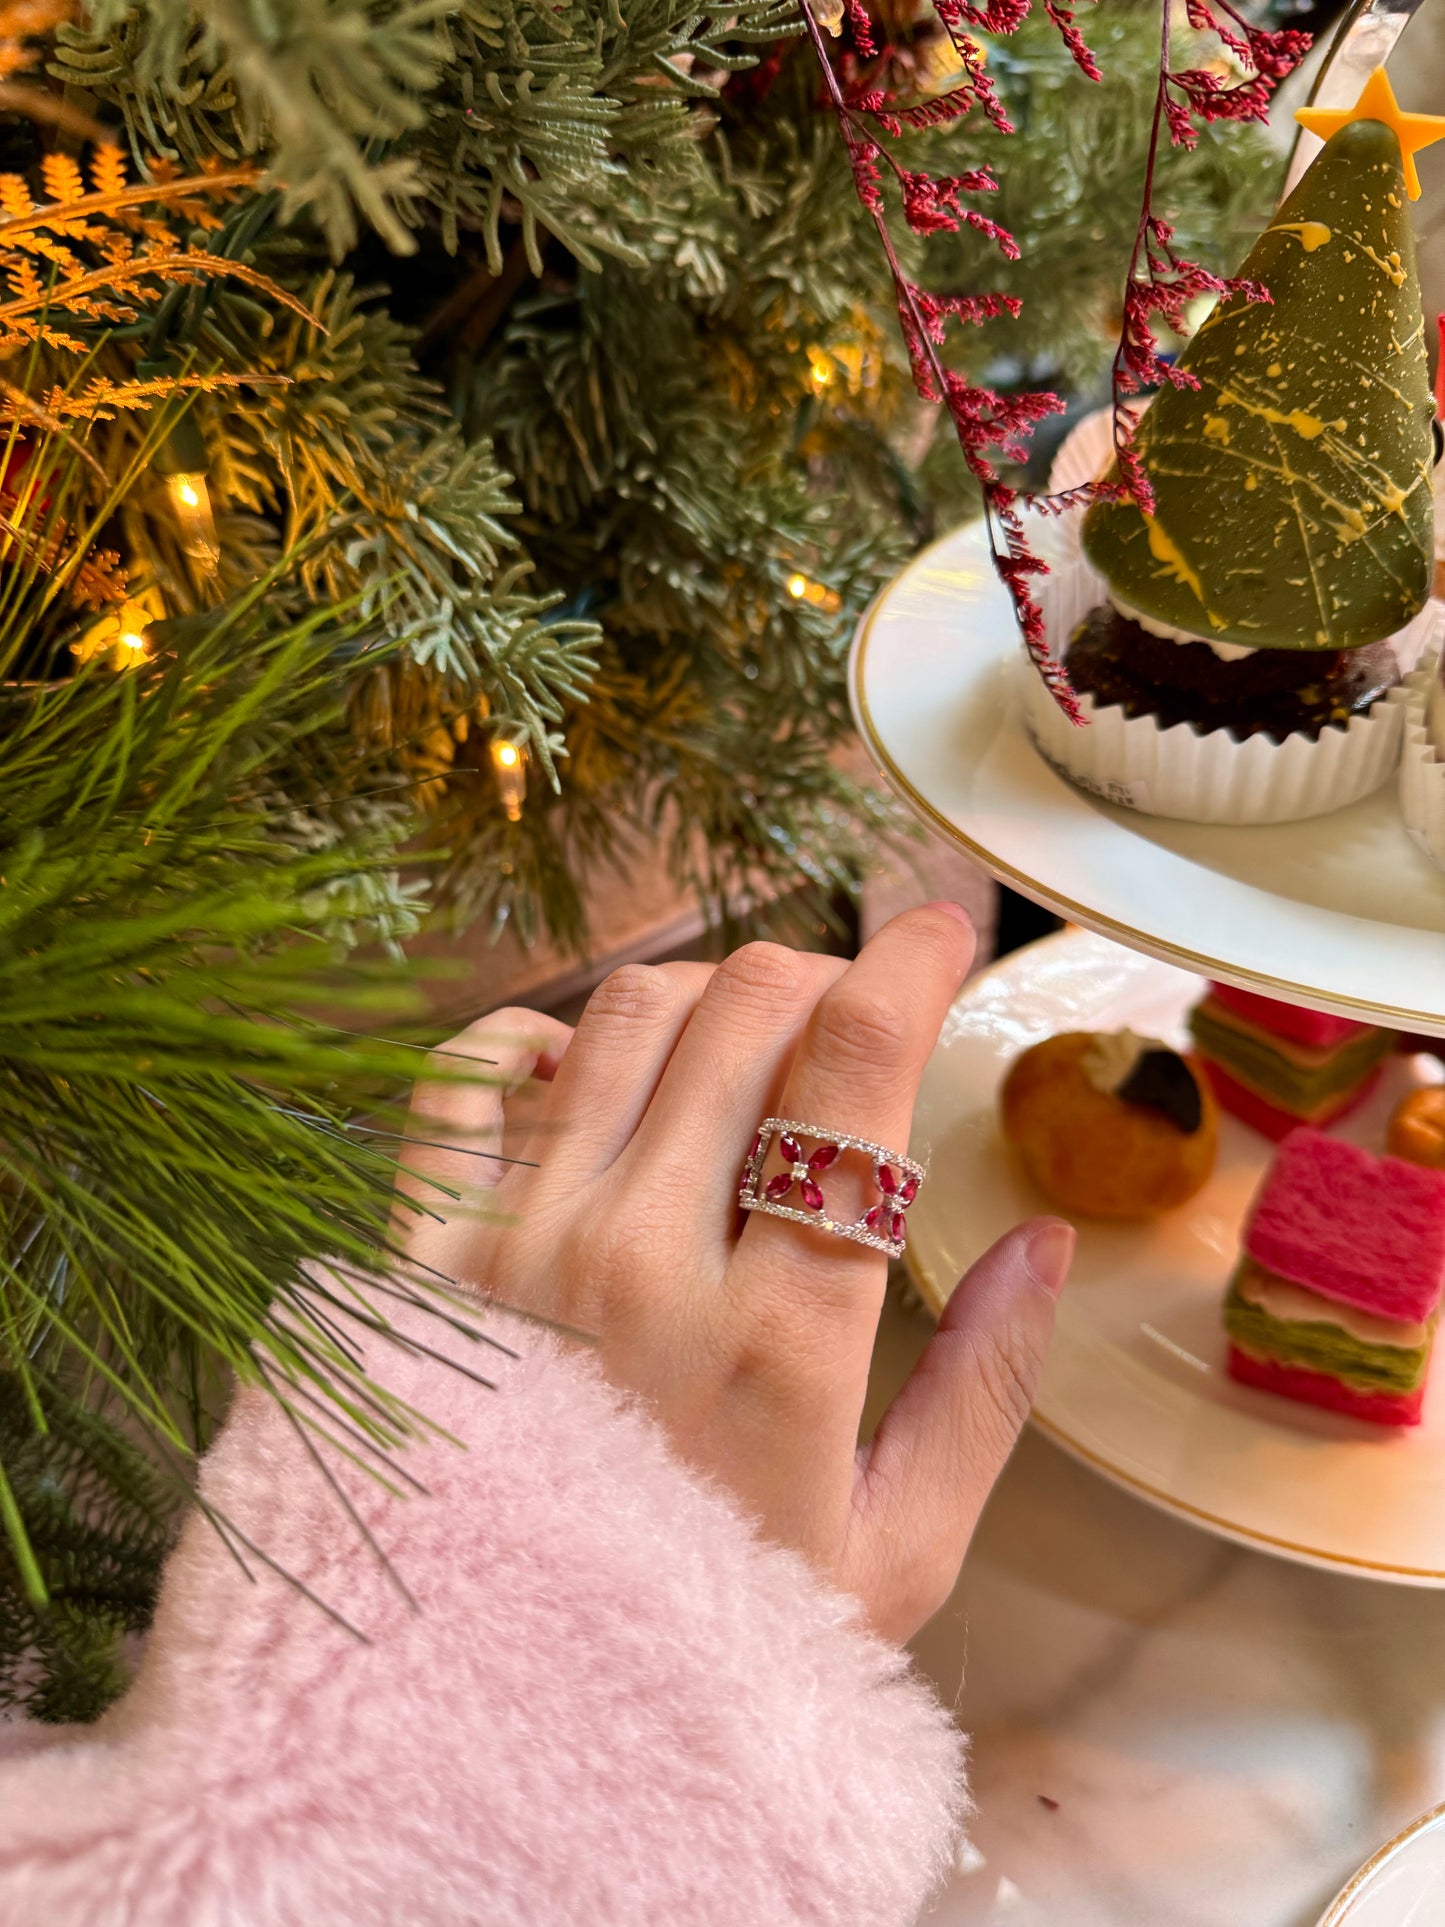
(1341, 912)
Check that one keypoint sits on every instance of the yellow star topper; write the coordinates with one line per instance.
(1378, 102)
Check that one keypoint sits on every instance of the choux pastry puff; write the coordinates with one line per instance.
(1110, 1125)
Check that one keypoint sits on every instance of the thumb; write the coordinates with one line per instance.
(942, 1443)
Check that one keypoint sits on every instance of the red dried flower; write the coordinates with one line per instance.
(1159, 287)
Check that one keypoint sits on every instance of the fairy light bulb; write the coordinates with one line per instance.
(191, 504)
(828, 14)
(120, 635)
(820, 368)
(132, 643)
(816, 594)
(181, 459)
(509, 767)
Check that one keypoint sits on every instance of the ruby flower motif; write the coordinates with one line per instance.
(886, 1219)
(802, 1172)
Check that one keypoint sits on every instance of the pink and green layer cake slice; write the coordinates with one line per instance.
(1336, 1295)
(1316, 1029)
(1277, 1065)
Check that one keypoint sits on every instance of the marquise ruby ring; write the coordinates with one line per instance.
(796, 1189)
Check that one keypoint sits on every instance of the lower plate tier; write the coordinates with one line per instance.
(1135, 1383)
(1401, 1885)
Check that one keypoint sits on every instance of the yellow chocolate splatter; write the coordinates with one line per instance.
(1216, 429)
(1274, 371)
(1165, 549)
(1308, 427)
(1312, 234)
(1388, 265)
(1392, 498)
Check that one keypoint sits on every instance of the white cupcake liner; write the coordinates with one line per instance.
(1087, 451)
(1422, 773)
(1086, 454)
(1210, 778)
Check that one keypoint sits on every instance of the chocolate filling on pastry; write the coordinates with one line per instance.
(1277, 692)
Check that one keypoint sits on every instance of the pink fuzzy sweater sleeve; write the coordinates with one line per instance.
(610, 1703)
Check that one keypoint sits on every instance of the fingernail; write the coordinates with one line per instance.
(1049, 1252)
(954, 910)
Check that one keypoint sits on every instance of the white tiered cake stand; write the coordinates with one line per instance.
(1342, 913)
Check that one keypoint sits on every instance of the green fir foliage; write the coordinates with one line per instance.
(631, 245)
(96, 1517)
(178, 1136)
(609, 464)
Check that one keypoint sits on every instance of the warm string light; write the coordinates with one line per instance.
(816, 594)
(182, 459)
(829, 15)
(509, 767)
(122, 632)
(132, 635)
(191, 503)
(852, 365)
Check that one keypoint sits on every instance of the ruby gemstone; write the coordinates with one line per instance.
(778, 1187)
(825, 1155)
(812, 1196)
(910, 1190)
(791, 1150)
(887, 1182)
(898, 1227)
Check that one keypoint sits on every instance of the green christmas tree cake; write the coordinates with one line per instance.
(1250, 607)
(1292, 487)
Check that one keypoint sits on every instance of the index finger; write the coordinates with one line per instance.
(454, 1128)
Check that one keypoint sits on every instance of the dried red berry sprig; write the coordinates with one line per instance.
(1160, 286)
(986, 424)
(1083, 54)
(1265, 57)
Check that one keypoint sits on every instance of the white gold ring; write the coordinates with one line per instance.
(882, 1227)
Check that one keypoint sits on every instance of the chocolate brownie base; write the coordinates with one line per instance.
(1274, 692)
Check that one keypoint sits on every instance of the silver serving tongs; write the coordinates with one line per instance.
(1365, 41)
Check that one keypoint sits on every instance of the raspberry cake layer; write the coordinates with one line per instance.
(1364, 1230)
(1318, 1388)
(1311, 1027)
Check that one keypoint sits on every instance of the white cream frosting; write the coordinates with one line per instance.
(1280, 1299)
(1226, 651)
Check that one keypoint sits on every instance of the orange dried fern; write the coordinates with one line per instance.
(131, 252)
(102, 399)
(95, 253)
(23, 22)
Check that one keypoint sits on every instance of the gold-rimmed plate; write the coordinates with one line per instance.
(1135, 1383)
(1403, 1885)
(1342, 911)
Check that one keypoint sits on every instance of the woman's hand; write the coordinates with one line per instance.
(748, 1334)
